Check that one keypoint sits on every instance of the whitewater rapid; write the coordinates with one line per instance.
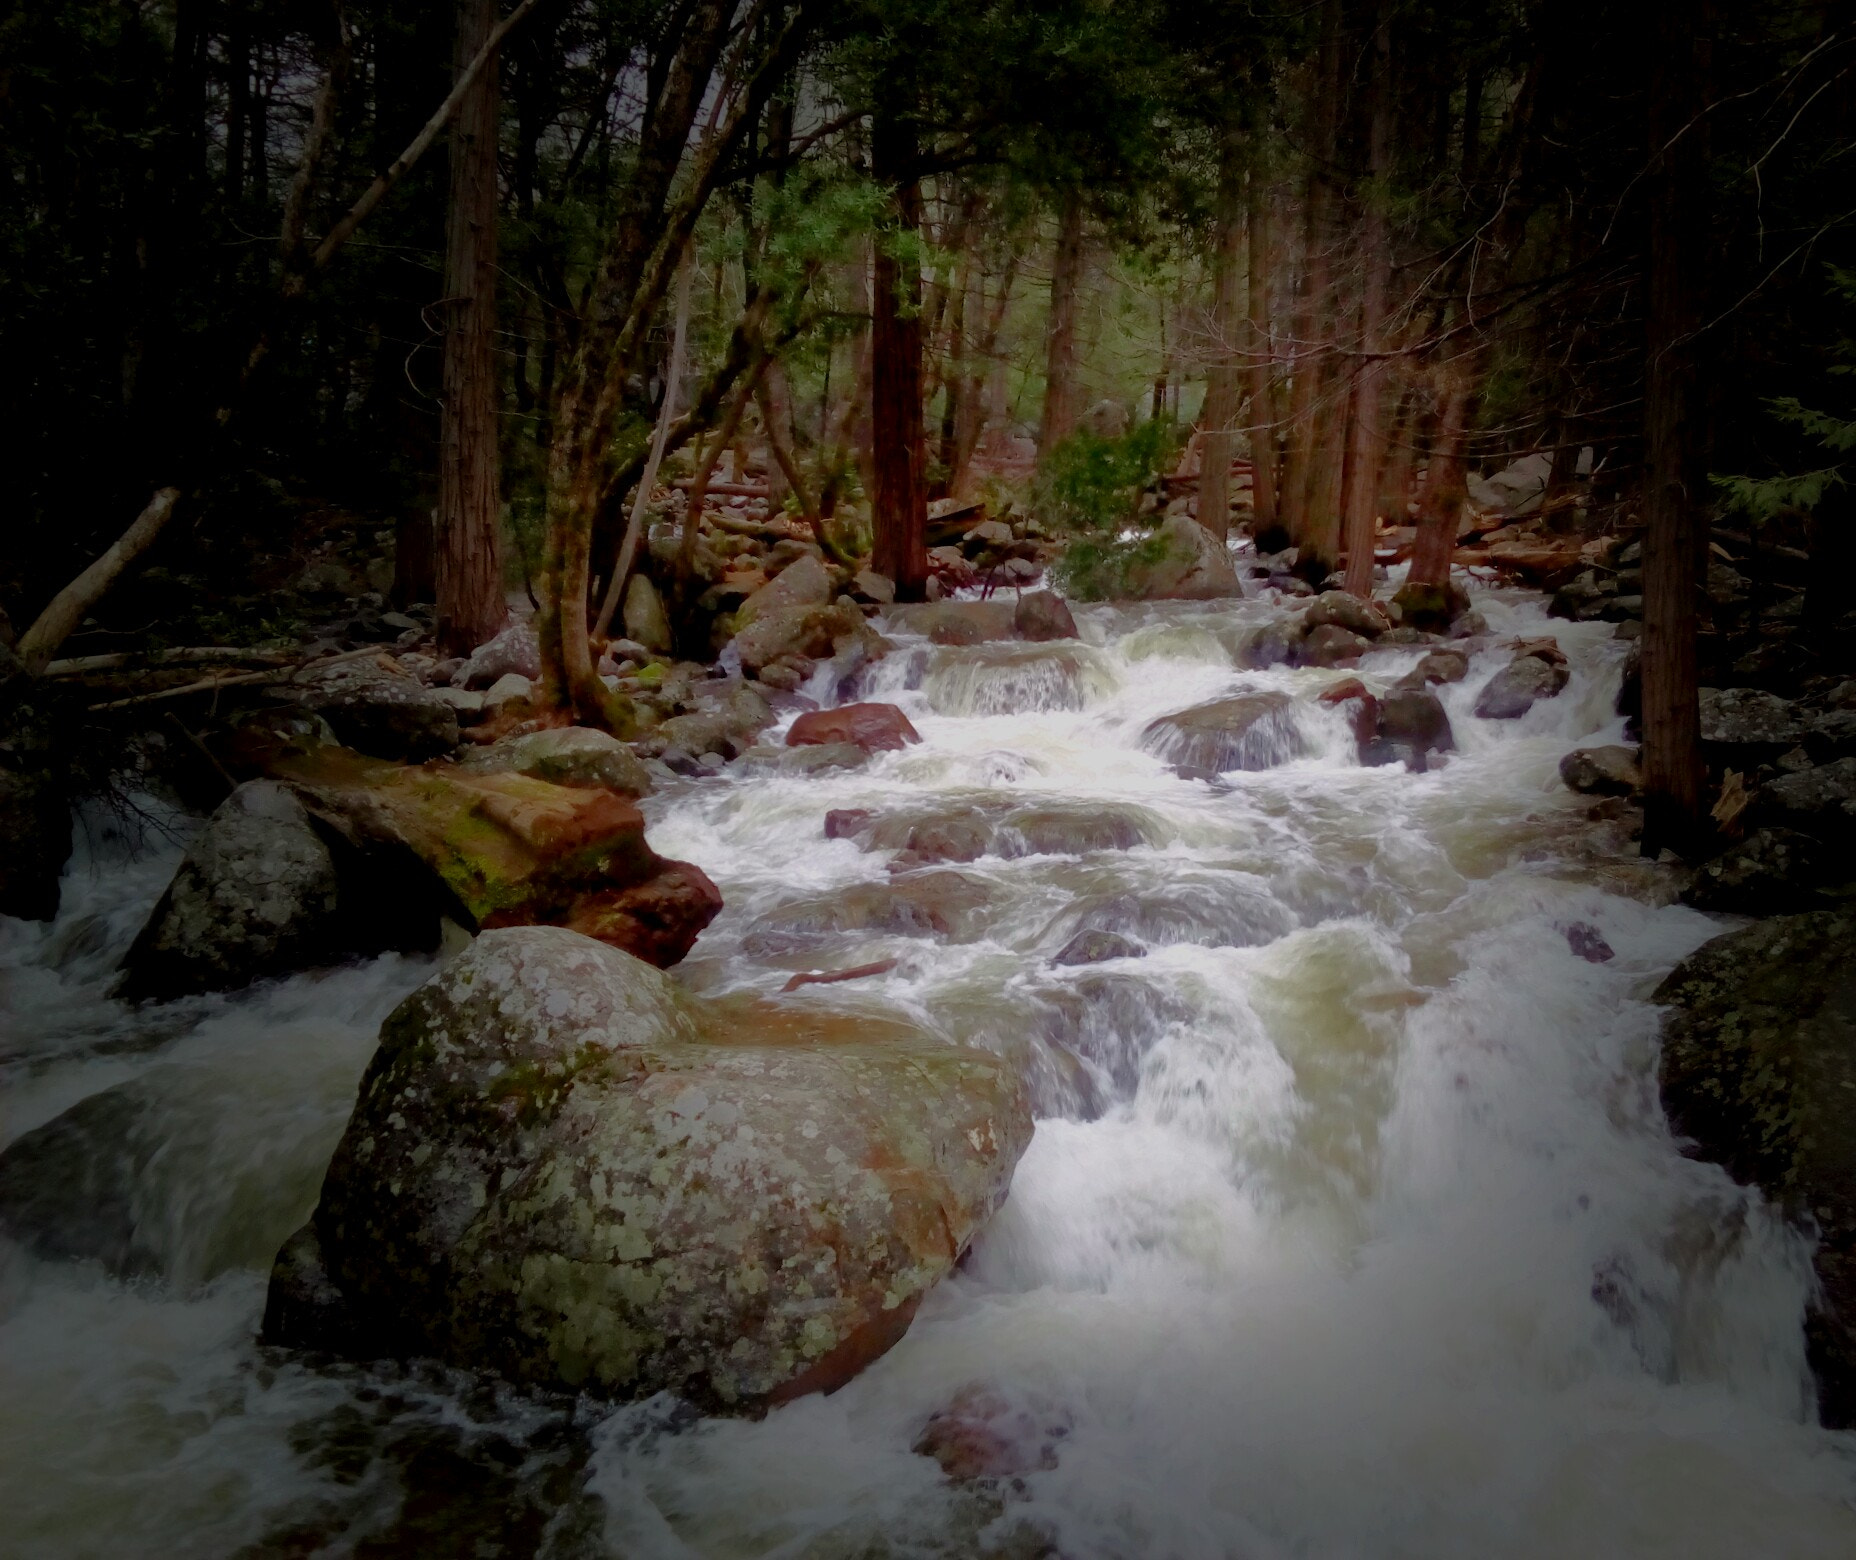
(1351, 1226)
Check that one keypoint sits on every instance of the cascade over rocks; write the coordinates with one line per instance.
(1251, 731)
(935, 902)
(992, 828)
(562, 1170)
(874, 728)
(1413, 726)
(1758, 1069)
(1519, 685)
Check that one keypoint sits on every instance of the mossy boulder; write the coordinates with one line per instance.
(562, 1170)
(1759, 1071)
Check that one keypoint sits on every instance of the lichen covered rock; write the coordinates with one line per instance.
(568, 755)
(1758, 1070)
(1188, 564)
(256, 894)
(562, 1170)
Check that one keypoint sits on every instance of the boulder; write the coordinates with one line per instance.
(514, 649)
(1830, 736)
(937, 902)
(1741, 727)
(875, 728)
(256, 894)
(35, 838)
(507, 689)
(511, 850)
(782, 633)
(764, 758)
(1770, 872)
(1274, 644)
(1189, 564)
(1413, 726)
(1602, 771)
(646, 621)
(1043, 615)
(1758, 1070)
(1328, 644)
(802, 583)
(868, 585)
(1365, 618)
(958, 622)
(1429, 607)
(1251, 731)
(562, 1170)
(965, 832)
(1107, 419)
(568, 755)
(1515, 689)
(1441, 666)
(387, 717)
(1091, 946)
(1818, 801)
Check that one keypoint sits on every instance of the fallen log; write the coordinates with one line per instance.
(86, 665)
(241, 679)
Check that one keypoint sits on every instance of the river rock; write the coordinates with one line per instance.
(561, 1170)
(1251, 731)
(937, 902)
(1091, 946)
(958, 622)
(1432, 608)
(1515, 689)
(875, 728)
(1602, 771)
(802, 583)
(765, 758)
(35, 838)
(569, 755)
(511, 850)
(813, 631)
(1328, 644)
(1191, 565)
(1365, 618)
(1413, 726)
(1770, 872)
(1441, 666)
(256, 894)
(1043, 615)
(1758, 1069)
(646, 621)
(1819, 801)
(387, 717)
(1742, 726)
(514, 648)
(1274, 644)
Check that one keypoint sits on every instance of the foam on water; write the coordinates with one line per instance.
(1352, 1229)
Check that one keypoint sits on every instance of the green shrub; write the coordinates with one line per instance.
(1091, 491)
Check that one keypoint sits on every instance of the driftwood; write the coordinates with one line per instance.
(832, 977)
(198, 655)
(54, 625)
(240, 679)
(726, 489)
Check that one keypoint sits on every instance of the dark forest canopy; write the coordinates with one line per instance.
(1371, 245)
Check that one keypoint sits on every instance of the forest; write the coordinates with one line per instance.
(928, 778)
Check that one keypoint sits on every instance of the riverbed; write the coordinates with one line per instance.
(1351, 1226)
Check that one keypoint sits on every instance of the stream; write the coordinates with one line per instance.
(1351, 1226)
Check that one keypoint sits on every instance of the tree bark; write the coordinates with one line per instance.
(468, 565)
(1445, 480)
(899, 502)
(1221, 383)
(1266, 521)
(1674, 541)
(1366, 438)
(1066, 275)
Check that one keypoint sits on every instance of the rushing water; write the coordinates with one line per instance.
(1351, 1226)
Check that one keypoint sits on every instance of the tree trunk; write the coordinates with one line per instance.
(1674, 540)
(1366, 438)
(1221, 385)
(1266, 521)
(468, 572)
(1445, 480)
(899, 502)
(1066, 275)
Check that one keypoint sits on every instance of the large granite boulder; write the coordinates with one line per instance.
(1413, 727)
(1250, 731)
(802, 583)
(256, 894)
(1043, 615)
(1187, 563)
(563, 1171)
(1770, 872)
(1344, 610)
(1612, 770)
(958, 622)
(1741, 727)
(1758, 1072)
(387, 716)
(814, 632)
(1819, 801)
(874, 728)
(1521, 684)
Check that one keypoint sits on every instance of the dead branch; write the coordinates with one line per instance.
(66, 610)
(832, 977)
